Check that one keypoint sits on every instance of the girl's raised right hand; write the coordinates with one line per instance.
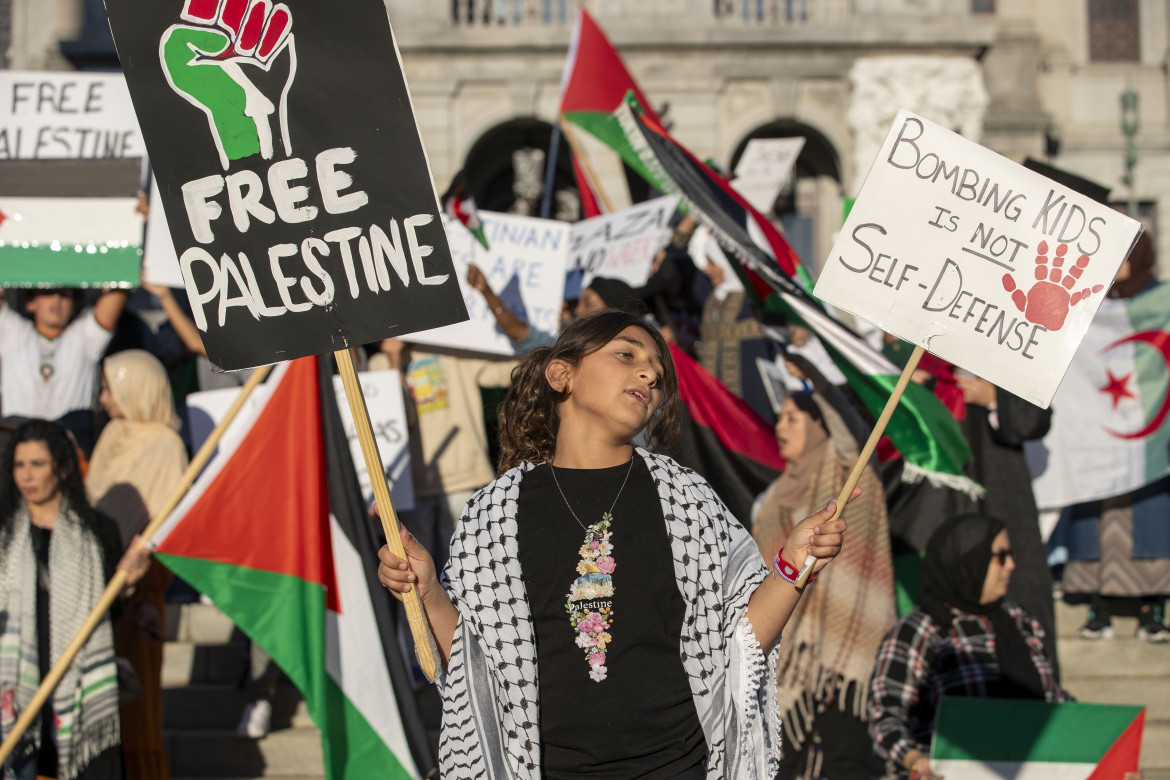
(398, 575)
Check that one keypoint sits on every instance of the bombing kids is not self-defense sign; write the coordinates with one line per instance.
(295, 184)
(975, 258)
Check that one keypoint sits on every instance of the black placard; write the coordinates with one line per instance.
(291, 170)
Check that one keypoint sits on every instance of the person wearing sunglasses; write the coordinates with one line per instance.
(964, 639)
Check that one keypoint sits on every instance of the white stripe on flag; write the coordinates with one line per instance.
(1016, 770)
(353, 655)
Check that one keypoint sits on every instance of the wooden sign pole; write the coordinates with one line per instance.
(863, 458)
(424, 644)
(114, 588)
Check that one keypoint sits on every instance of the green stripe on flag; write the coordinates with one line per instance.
(69, 266)
(607, 129)
(1002, 730)
(287, 617)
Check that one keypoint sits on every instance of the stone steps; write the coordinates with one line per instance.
(1124, 670)
(220, 753)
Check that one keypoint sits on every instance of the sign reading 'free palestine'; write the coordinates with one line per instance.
(975, 258)
(294, 180)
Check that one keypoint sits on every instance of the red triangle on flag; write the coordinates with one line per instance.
(595, 78)
(268, 507)
(1123, 756)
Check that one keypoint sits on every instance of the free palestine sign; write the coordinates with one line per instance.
(975, 258)
(295, 184)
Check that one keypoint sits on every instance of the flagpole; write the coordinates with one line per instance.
(423, 643)
(579, 153)
(114, 588)
(867, 451)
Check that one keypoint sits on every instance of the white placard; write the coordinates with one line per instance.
(525, 268)
(383, 392)
(622, 245)
(764, 168)
(160, 263)
(79, 116)
(984, 263)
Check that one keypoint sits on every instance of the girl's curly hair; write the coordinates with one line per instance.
(66, 468)
(529, 415)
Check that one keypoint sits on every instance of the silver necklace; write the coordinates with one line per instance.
(553, 469)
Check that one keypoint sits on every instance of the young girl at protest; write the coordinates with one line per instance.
(541, 676)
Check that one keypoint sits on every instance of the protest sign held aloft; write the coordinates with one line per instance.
(622, 245)
(975, 258)
(524, 266)
(298, 193)
(67, 116)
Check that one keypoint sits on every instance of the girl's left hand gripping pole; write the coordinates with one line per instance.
(424, 643)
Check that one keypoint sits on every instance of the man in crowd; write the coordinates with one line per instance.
(48, 365)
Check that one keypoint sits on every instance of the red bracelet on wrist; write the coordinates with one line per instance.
(787, 571)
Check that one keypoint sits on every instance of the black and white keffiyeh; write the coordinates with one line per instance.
(85, 701)
(491, 714)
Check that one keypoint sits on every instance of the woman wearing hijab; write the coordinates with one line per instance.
(826, 657)
(137, 462)
(964, 639)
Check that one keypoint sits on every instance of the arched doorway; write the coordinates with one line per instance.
(809, 205)
(506, 170)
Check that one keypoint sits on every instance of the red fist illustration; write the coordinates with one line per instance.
(257, 28)
(1048, 302)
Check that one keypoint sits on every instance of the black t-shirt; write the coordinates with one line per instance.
(627, 711)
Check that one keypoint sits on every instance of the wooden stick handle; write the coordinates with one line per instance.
(424, 644)
(579, 153)
(119, 579)
(863, 458)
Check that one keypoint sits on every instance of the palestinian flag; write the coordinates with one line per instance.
(990, 739)
(275, 533)
(590, 204)
(1109, 431)
(723, 439)
(594, 83)
(460, 205)
(923, 430)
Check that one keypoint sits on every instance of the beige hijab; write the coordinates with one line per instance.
(827, 655)
(139, 458)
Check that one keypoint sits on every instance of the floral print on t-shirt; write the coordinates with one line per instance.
(590, 602)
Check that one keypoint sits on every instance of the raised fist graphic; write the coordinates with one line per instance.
(221, 58)
(1048, 302)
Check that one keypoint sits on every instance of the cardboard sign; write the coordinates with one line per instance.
(297, 190)
(160, 262)
(622, 245)
(67, 116)
(975, 258)
(383, 392)
(525, 268)
(764, 168)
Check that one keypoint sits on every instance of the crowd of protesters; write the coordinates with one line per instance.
(93, 447)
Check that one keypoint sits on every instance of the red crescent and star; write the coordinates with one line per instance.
(1117, 387)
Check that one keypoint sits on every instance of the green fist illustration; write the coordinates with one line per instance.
(216, 58)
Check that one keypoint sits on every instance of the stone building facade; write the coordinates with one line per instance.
(1026, 78)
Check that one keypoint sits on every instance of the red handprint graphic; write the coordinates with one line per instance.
(204, 59)
(1049, 300)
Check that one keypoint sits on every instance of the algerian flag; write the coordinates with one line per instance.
(1109, 434)
(992, 739)
(275, 532)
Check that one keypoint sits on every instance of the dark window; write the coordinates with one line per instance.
(1113, 31)
(982, 6)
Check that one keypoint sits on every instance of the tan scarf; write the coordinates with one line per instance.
(139, 458)
(828, 649)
